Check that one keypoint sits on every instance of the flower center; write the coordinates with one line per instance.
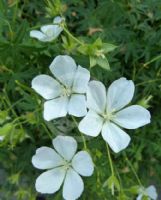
(66, 92)
(49, 32)
(67, 165)
(108, 116)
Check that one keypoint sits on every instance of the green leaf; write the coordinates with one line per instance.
(112, 182)
(3, 116)
(93, 61)
(108, 47)
(103, 62)
(6, 129)
(134, 189)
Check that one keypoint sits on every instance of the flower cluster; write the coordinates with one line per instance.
(71, 92)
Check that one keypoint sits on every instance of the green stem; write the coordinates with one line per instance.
(72, 36)
(10, 106)
(110, 160)
(152, 60)
(149, 81)
(133, 169)
(47, 131)
(83, 138)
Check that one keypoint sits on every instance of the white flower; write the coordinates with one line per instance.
(64, 167)
(48, 32)
(105, 112)
(67, 95)
(148, 192)
(1, 138)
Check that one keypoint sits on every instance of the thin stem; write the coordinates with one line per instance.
(83, 138)
(110, 160)
(133, 169)
(47, 131)
(149, 81)
(152, 60)
(72, 36)
(10, 106)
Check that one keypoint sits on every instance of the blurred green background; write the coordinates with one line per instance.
(135, 27)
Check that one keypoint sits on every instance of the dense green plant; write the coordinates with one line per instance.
(134, 29)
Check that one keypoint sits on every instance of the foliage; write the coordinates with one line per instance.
(134, 29)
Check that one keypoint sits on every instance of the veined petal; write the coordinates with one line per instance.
(96, 96)
(132, 117)
(115, 137)
(119, 94)
(91, 124)
(66, 146)
(46, 86)
(55, 108)
(50, 181)
(81, 80)
(52, 31)
(46, 158)
(38, 35)
(77, 105)
(64, 68)
(151, 192)
(73, 185)
(83, 163)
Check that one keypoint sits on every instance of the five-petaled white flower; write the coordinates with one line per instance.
(48, 32)
(67, 93)
(64, 167)
(105, 112)
(149, 192)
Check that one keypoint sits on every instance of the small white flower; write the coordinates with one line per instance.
(105, 112)
(148, 192)
(1, 138)
(48, 32)
(64, 167)
(67, 95)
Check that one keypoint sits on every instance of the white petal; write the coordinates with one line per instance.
(119, 94)
(58, 20)
(96, 96)
(152, 193)
(81, 80)
(46, 86)
(55, 108)
(139, 197)
(73, 186)
(66, 146)
(91, 124)
(83, 163)
(132, 117)
(77, 105)
(64, 68)
(50, 181)
(46, 158)
(51, 31)
(115, 137)
(38, 35)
